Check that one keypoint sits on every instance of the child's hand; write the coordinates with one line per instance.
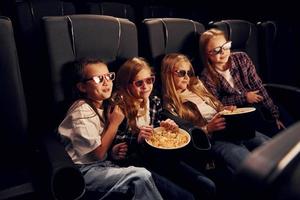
(253, 97)
(116, 115)
(119, 151)
(169, 125)
(145, 133)
(217, 123)
(230, 108)
(279, 124)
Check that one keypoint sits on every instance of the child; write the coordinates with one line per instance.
(232, 78)
(142, 111)
(186, 97)
(88, 134)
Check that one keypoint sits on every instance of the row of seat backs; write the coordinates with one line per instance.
(38, 8)
(30, 12)
(115, 39)
(27, 19)
(31, 46)
(128, 11)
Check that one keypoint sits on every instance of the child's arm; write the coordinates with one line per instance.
(114, 120)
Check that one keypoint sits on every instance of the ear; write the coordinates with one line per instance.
(81, 87)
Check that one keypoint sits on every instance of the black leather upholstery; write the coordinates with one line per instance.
(170, 35)
(32, 51)
(155, 11)
(15, 168)
(11, 88)
(72, 37)
(272, 170)
(279, 43)
(19, 172)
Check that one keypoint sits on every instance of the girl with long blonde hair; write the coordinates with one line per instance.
(186, 97)
(142, 110)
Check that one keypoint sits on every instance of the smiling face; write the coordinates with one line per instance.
(181, 72)
(218, 51)
(142, 85)
(96, 91)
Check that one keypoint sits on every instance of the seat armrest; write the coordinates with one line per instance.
(286, 96)
(272, 170)
(64, 181)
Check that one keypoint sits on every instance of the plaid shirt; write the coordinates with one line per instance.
(245, 79)
(124, 133)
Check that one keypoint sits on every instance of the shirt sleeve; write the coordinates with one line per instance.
(83, 129)
(237, 98)
(256, 83)
(86, 137)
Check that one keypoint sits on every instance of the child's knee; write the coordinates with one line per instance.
(141, 173)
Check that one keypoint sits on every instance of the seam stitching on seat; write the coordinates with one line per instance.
(71, 32)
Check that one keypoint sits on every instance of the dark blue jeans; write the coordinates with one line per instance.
(169, 190)
(232, 154)
(184, 175)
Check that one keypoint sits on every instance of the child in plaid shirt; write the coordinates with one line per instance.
(232, 77)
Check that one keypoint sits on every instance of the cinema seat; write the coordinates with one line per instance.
(30, 168)
(171, 35)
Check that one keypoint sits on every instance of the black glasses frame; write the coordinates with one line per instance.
(183, 73)
(139, 83)
(221, 48)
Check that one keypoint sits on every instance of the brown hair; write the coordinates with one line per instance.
(125, 76)
(172, 99)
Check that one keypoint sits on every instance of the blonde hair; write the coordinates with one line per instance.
(172, 99)
(205, 38)
(125, 76)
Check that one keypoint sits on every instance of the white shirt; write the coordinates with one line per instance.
(206, 110)
(226, 74)
(81, 132)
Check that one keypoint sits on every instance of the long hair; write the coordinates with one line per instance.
(204, 40)
(172, 99)
(125, 76)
